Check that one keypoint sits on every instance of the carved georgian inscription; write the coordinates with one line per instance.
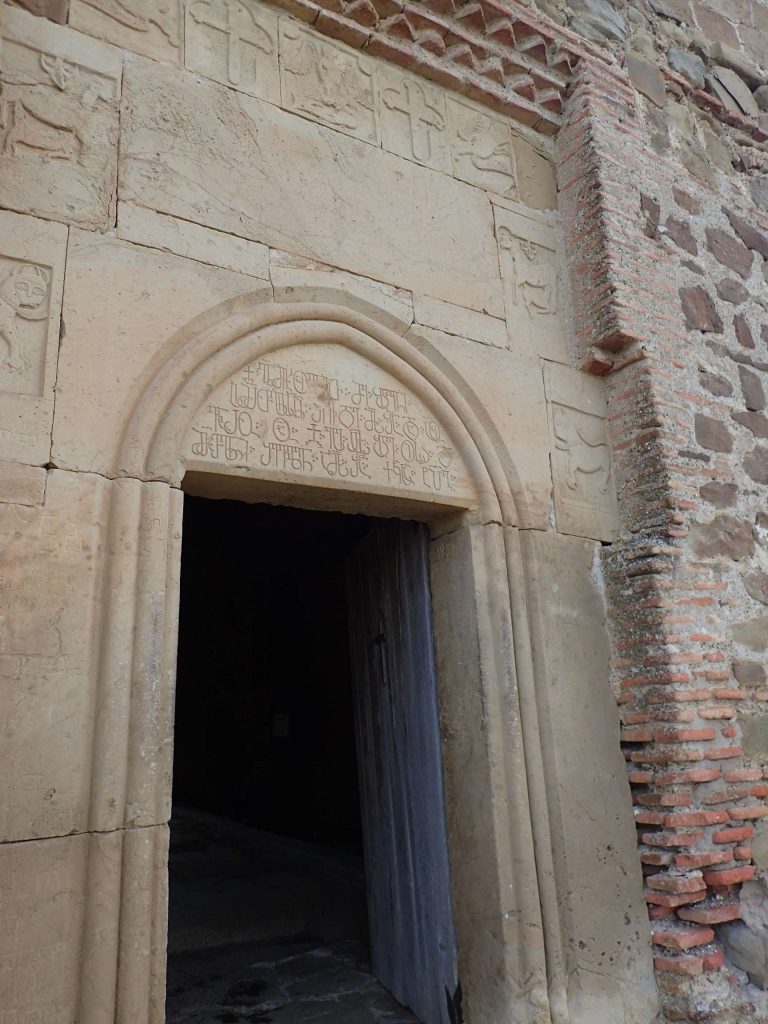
(533, 288)
(327, 83)
(414, 121)
(335, 418)
(234, 42)
(58, 122)
(482, 149)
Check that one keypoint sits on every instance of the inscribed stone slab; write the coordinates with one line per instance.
(506, 392)
(146, 227)
(58, 121)
(32, 258)
(150, 27)
(122, 304)
(232, 162)
(585, 491)
(532, 269)
(322, 414)
(48, 606)
(235, 44)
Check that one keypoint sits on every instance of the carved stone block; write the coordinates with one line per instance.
(585, 492)
(328, 83)
(31, 282)
(414, 120)
(532, 269)
(234, 42)
(55, 10)
(150, 27)
(482, 148)
(58, 122)
(324, 414)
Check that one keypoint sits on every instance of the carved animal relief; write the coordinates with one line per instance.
(326, 83)
(532, 282)
(336, 418)
(581, 439)
(482, 149)
(234, 42)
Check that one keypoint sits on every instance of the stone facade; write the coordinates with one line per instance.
(501, 267)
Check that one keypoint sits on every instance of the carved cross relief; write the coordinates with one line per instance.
(234, 42)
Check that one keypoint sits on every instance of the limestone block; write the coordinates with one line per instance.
(465, 323)
(506, 391)
(328, 82)
(31, 281)
(533, 269)
(235, 44)
(585, 492)
(48, 589)
(21, 485)
(482, 148)
(137, 298)
(145, 26)
(323, 414)
(414, 120)
(58, 129)
(536, 181)
(146, 227)
(217, 157)
(318, 282)
(603, 916)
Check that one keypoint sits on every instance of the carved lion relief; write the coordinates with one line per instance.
(25, 292)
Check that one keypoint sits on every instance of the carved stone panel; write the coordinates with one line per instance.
(532, 270)
(327, 83)
(414, 121)
(327, 416)
(31, 279)
(482, 148)
(585, 493)
(58, 122)
(233, 42)
(151, 27)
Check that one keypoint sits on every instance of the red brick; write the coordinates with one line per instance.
(682, 937)
(716, 913)
(733, 835)
(689, 965)
(715, 960)
(747, 813)
(684, 735)
(730, 875)
(669, 899)
(702, 860)
(677, 883)
(689, 819)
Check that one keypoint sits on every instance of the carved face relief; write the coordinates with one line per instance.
(482, 149)
(330, 416)
(235, 43)
(24, 296)
(327, 83)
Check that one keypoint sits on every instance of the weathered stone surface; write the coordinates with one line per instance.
(712, 434)
(32, 258)
(536, 182)
(121, 291)
(719, 495)
(646, 77)
(678, 10)
(743, 331)
(748, 951)
(749, 673)
(585, 497)
(715, 383)
(734, 57)
(651, 208)
(465, 323)
(752, 634)
(724, 537)
(760, 96)
(686, 201)
(730, 90)
(680, 233)
(730, 290)
(144, 26)
(700, 312)
(687, 64)
(21, 485)
(232, 162)
(749, 234)
(729, 251)
(756, 465)
(597, 20)
(754, 421)
(759, 189)
(60, 107)
(752, 389)
(158, 231)
(54, 10)
(756, 585)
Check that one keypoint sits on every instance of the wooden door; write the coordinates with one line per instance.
(413, 945)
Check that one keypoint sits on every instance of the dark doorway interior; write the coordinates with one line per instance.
(267, 888)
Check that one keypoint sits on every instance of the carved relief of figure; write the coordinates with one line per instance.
(484, 149)
(24, 294)
(21, 127)
(336, 87)
(534, 279)
(585, 449)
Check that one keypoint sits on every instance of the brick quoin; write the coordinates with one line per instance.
(678, 697)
